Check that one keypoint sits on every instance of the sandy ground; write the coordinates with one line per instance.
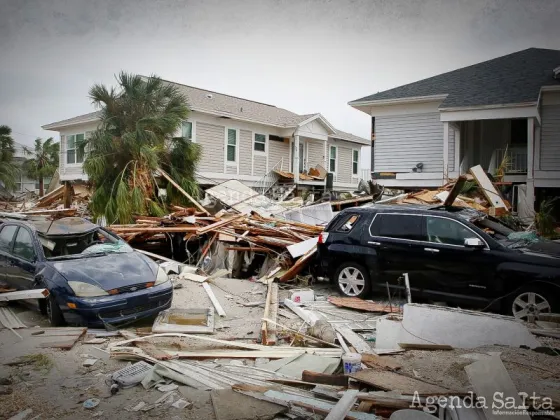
(59, 390)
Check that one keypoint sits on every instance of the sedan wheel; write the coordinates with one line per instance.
(351, 281)
(529, 305)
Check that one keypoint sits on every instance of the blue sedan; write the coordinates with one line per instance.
(94, 278)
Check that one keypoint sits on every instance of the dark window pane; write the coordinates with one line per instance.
(23, 246)
(71, 142)
(6, 235)
(355, 168)
(400, 226)
(332, 166)
(231, 153)
(71, 156)
(259, 147)
(232, 136)
(260, 142)
(447, 231)
(348, 223)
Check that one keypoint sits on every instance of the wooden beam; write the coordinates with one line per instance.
(213, 299)
(24, 294)
(220, 224)
(182, 191)
(343, 406)
(455, 191)
(354, 339)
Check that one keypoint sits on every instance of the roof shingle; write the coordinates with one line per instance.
(510, 79)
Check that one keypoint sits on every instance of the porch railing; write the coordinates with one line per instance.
(269, 179)
(516, 162)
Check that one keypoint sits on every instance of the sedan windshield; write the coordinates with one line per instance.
(91, 244)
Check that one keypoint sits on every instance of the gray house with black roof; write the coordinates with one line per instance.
(429, 131)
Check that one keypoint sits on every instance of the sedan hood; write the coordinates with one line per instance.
(110, 271)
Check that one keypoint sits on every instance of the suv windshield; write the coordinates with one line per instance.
(94, 243)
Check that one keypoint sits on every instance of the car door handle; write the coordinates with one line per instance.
(374, 243)
(433, 250)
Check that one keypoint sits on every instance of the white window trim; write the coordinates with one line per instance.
(357, 174)
(266, 144)
(193, 130)
(335, 160)
(237, 139)
(75, 164)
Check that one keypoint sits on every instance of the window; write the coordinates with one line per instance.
(75, 148)
(186, 130)
(231, 145)
(400, 226)
(260, 143)
(19, 183)
(23, 245)
(446, 231)
(332, 159)
(348, 224)
(6, 235)
(355, 160)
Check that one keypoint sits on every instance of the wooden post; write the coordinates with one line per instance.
(68, 193)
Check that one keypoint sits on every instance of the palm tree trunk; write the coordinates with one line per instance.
(41, 186)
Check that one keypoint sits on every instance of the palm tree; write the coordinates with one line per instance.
(44, 162)
(8, 171)
(136, 137)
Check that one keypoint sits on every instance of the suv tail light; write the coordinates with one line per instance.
(323, 237)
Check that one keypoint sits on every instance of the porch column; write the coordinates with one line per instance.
(457, 167)
(296, 159)
(445, 151)
(530, 167)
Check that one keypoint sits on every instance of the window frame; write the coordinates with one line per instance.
(264, 143)
(193, 130)
(396, 214)
(35, 254)
(486, 246)
(75, 149)
(357, 162)
(346, 220)
(331, 146)
(229, 163)
(11, 243)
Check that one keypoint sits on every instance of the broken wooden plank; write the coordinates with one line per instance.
(374, 361)
(24, 294)
(218, 225)
(299, 249)
(214, 299)
(273, 315)
(298, 266)
(264, 325)
(488, 189)
(391, 381)
(455, 191)
(308, 337)
(182, 191)
(488, 377)
(343, 406)
(324, 378)
(362, 305)
(65, 344)
(354, 339)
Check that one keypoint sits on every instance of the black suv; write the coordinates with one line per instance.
(445, 255)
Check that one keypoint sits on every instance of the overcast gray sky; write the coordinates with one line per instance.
(306, 56)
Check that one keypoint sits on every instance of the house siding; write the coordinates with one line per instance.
(276, 151)
(343, 160)
(451, 151)
(315, 153)
(403, 141)
(259, 165)
(245, 146)
(550, 138)
(211, 139)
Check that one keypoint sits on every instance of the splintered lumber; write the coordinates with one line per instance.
(362, 305)
(152, 229)
(343, 406)
(218, 225)
(489, 376)
(264, 326)
(24, 294)
(455, 191)
(51, 197)
(374, 361)
(354, 339)
(213, 299)
(268, 329)
(52, 212)
(182, 191)
(488, 189)
(391, 381)
(324, 378)
(298, 266)
(308, 337)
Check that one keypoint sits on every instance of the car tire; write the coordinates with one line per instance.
(54, 314)
(352, 280)
(530, 301)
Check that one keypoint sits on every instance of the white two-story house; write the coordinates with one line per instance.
(241, 139)
(427, 132)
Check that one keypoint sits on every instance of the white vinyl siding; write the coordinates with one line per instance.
(451, 151)
(245, 164)
(278, 150)
(211, 139)
(550, 138)
(402, 141)
(315, 153)
(259, 165)
(344, 165)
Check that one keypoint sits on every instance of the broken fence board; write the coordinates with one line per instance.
(343, 406)
(214, 299)
(487, 187)
(354, 339)
(24, 294)
(489, 376)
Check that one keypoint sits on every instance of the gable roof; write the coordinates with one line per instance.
(510, 79)
(80, 119)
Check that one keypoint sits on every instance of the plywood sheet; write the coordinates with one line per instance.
(390, 381)
(362, 305)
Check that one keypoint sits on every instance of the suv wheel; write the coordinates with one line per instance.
(54, 314)
(528, 304)
(353, 280)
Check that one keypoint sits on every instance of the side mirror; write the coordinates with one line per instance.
(474, 243)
